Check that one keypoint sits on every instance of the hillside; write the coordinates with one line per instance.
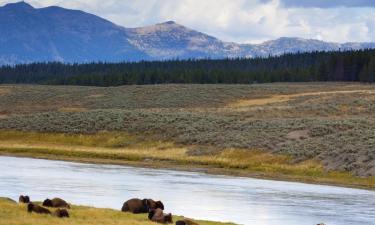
(298, 67)
(317, 125)
(29, 34)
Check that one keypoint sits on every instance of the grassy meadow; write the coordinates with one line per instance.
(124, 149)
(12, 213)
(310, 132)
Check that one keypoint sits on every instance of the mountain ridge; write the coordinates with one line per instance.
(53, 33)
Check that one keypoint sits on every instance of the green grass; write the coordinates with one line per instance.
(12, 213)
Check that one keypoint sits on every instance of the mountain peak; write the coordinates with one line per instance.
(19, 5)
(170, 22)
(58, 34)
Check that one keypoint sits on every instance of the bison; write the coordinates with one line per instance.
(24, 199)
(185, 222)
(31, 207)
(61, 213)
(157, 215)
(56, 203)
(136, 205)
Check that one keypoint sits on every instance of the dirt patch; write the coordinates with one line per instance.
(4, 91)
(72, 109)
(285, 98)
(260, 101)
(298, 134)
(96, 96)
(4, 115)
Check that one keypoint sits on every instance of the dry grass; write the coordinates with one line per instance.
(328, 123)
(122, 148)
(4, 91)
(96, 96)
(100, 139)
(260, 101)
(12, 213)
(289, 97)
(72, 109)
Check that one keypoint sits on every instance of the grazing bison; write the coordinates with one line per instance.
(185, 222)
(24, 199)
(31, 207)
(56, 203)
(61, 213)
(157, 215)
(136, 205)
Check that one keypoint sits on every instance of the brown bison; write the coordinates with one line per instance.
(61, 213)
(185, 222)
(24, 199)
(136, 205)
(157, 215)
(31, 207)
(56, 203)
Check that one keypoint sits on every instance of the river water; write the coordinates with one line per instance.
(196, 195)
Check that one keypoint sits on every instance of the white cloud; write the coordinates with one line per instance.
(235, 20)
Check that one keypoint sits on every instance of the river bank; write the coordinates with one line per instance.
(192, 194)
(103, 148)
(16, 214)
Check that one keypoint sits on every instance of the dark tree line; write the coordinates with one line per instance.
(315, 66)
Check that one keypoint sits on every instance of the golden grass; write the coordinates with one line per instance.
(4, 90)
(12, 213)
(72, 109)
(260, 101)
(122, 148)
(96, 95)
(100, 139)
(284, 98)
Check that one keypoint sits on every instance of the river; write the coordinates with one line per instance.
(197, 195)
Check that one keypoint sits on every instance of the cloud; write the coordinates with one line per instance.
(245, 21)
(328, 3)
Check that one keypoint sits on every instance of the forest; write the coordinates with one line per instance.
(355, 65)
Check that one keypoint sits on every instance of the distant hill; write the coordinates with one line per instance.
(29, 34)
(358, 65)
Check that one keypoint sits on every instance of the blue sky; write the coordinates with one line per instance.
(244, 21)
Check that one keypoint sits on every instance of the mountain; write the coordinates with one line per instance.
(171, 40)
(56, 34)
(29, 34)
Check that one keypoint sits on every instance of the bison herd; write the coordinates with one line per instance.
(54, 203)
(155, 209)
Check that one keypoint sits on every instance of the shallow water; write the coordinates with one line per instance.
(220, 198)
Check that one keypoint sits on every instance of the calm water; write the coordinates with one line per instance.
(221, 198)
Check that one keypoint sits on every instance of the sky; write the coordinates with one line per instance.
(242, 21)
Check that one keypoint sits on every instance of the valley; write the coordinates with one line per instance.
(309, 132)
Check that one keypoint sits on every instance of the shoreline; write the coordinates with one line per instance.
(12, 212)
(209, 170)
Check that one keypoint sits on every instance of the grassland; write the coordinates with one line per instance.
(316, 132)
(12, 213)
(124, 149)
